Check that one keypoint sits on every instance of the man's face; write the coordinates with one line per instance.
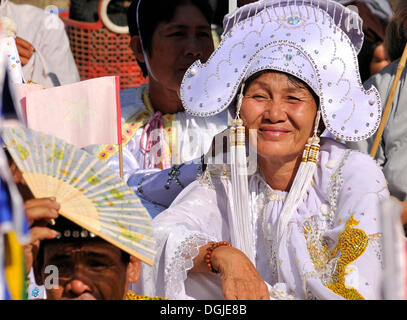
(91, 270)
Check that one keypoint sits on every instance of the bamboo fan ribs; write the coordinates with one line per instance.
(89, 192)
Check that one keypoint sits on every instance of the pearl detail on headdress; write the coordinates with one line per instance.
(330, 51)
(193, 71)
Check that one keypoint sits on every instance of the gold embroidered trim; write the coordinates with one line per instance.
(352, 243)
(318, 248)
(147, 101)
(129, 129)
(135, 122)
(132, 296)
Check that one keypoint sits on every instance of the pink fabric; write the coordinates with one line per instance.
(155, 122)
(82, 113)
(405, 270)
(21, 91)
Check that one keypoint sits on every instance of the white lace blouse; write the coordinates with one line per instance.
(330, 249)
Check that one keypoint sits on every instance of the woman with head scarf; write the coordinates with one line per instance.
(302, 219)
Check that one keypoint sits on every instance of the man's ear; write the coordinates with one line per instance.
(135, 45)
(16, 174)
(133, 270)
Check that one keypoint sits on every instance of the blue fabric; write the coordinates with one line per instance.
(5, 224)
(158, 190)
(6, 216)
(12, 215)
(6, 219)
(10, 220)
(17, 223)
(6, 294)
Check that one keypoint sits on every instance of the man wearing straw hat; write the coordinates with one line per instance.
(87, 267)
(69, 260)
(77, 265)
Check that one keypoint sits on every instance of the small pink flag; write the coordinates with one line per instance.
(405, 270)
(82, 113)
(21, 91)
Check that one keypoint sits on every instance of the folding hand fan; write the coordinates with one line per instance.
(89, 192)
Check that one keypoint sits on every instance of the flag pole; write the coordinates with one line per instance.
(121, 160)
(119, 126)
(232, 5)
(386, 112)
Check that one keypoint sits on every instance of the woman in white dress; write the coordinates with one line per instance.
(305, 223)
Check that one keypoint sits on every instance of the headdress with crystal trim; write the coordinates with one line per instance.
(316, 41)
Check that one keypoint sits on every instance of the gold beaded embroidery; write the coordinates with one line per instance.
(318, 248)
(352, 243)
(133, 296)
(313, 153)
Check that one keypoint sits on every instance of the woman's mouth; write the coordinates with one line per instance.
(273, 132)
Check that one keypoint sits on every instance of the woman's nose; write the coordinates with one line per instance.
(274, 112)
(194, 48)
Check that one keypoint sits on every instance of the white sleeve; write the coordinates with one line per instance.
(54, 47)
(194, 219)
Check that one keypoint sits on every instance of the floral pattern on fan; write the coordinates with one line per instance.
(90, 193)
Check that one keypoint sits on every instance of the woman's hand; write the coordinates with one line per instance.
(403, 212)
(39, 213)
(239, 277)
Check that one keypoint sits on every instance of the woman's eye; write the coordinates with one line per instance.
(176, 34)
(292, 98)
(204, 35)
(259, 97)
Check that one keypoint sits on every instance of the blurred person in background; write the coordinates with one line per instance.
(42, 44)
(392, 150)
(88, 267)
(162, 144)
(159, 136)
(375, 14)
(221, 8)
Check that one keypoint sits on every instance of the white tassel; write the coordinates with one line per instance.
(245, 240)
(293, 197)
(302, 180)
(241, 224)
(232, 218)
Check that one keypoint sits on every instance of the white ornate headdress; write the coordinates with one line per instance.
(316, 41)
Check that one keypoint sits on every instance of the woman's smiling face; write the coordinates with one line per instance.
(282, 112)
